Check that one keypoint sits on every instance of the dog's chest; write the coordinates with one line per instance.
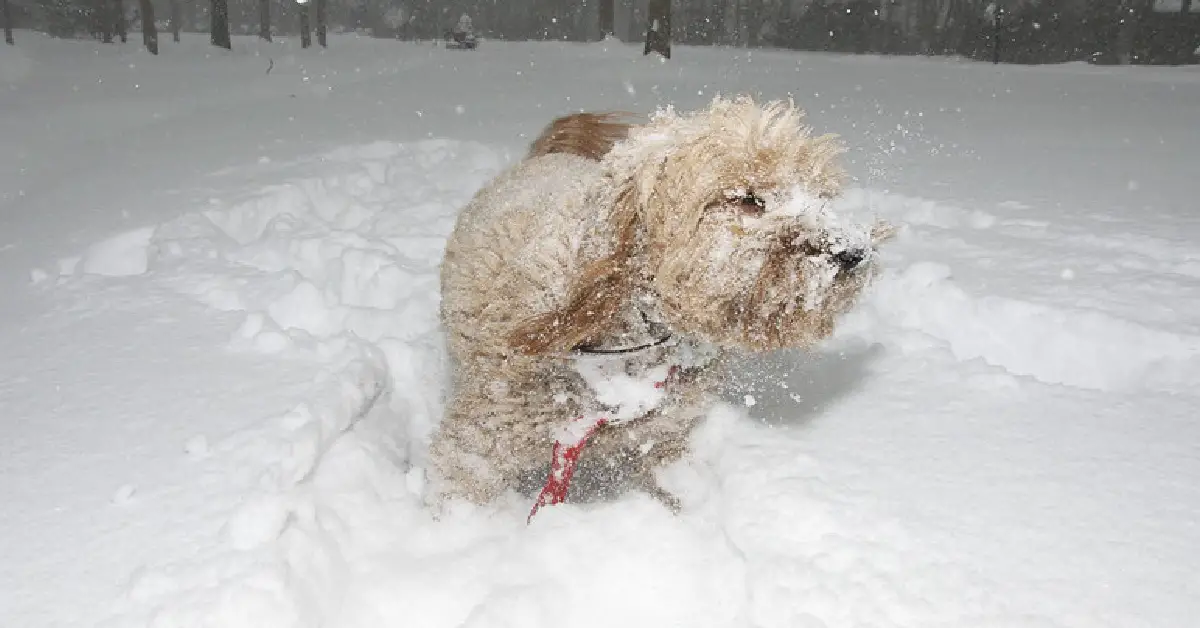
(624, 389)
(627, 386)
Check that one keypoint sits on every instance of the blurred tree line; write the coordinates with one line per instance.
(1011, 31)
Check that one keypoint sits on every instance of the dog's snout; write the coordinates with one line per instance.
(849, 259)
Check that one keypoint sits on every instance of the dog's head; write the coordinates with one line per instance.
(738, 240)
(722, 217)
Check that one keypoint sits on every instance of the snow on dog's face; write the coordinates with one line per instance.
(738, 240)
(721, 219)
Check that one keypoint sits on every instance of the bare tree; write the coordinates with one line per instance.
(8, 36)
(264, 20)
(731, 21)
(149, 29)
(1131, 16)
(927, 12)
(321, 23)
(176, 20)
(219, 32)
(101, 20)
(118, 16)
(755, 21)
(956, 15)
(305, 30)
(658, 28)
(608, 18)
(1185, 9)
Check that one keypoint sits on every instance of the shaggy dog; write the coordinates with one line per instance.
(610, 270)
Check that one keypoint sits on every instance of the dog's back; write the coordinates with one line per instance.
(517, 243)
(587, 135)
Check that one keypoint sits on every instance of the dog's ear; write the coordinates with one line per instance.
(595, 297)
(602, 289)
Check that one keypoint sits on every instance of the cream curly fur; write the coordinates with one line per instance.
(712, 227)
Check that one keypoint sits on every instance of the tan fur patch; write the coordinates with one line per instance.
(595, 298)
(589, 135)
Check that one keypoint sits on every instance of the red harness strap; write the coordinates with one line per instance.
(566, 456)
(562, 467)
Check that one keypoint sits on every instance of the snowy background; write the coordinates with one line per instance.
(220, 358)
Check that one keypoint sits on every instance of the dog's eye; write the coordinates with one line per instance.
(750, 205)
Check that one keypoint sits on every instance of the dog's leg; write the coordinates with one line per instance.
(648, 465)
(497, 428)
(460, 458)
(637, 451)
(664, 439)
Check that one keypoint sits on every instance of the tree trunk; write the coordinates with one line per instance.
(119, 20)
(220, 25)
(177, 17)
(321, 23)
(305, 31)
(1124, 43)
(176, 20)
(1131, 16)
(608, 18)
(264, 20)
(927, 11)
(752, 22)
(102, 21)
(959, 17)
(149, 29)
(729, 15)
(735, 17)
(997, 31)
(1190, 30)
(658, 28)
(8, 36)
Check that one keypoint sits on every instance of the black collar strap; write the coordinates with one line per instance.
(586, 350)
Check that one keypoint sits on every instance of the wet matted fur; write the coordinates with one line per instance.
(712, 228)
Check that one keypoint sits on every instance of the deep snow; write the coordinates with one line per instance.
(221, 356)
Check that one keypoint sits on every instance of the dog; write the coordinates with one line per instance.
(613, 269)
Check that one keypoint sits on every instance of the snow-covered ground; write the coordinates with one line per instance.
(220, 358)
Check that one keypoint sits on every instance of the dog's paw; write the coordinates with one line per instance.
(664, 497)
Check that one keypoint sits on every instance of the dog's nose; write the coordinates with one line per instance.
(849, 259)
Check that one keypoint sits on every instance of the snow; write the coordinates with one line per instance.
(572, 434)
(121, 255)
(627, 396)
(221, 357)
